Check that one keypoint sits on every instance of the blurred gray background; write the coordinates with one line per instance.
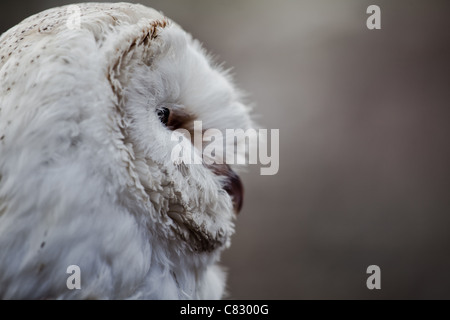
(364, 121)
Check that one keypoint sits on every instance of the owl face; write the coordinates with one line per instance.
(172, 86)
(87, 126)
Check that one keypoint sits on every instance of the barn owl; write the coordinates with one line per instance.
(86, 177)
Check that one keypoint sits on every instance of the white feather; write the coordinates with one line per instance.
(85, 171)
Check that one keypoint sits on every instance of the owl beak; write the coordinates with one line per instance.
(233, 184)
(235, 189)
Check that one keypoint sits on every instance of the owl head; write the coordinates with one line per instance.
(91, 98)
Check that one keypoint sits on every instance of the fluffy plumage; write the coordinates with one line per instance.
(86, 176)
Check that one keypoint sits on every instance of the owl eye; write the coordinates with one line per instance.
(163, 115)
